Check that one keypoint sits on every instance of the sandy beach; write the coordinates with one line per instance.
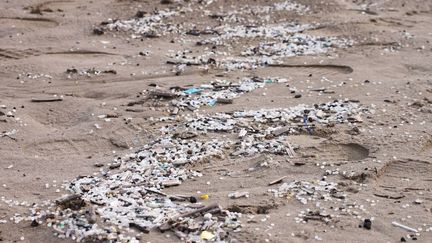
(295, 121)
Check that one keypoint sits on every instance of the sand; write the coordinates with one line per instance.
(387, 69)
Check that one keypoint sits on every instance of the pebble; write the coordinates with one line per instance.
(367, 224)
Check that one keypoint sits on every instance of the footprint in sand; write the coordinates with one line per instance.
(399, 174)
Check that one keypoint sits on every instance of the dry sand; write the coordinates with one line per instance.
(56, 141)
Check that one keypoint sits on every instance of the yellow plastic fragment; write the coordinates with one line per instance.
(204, 196)
(206, 235)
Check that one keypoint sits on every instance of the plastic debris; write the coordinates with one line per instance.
(206, 235)
(418, 201)
(9, 134)
(74, 202)
(87, 72)
(236, 195)
(275, 40)
(407, 228)
(302, 190)
(132, 193)
(218, 92)
(192, 91)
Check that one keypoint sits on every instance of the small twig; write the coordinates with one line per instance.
(179, 62)
(163, 94)
(200, 210)
(171, 222)
(137, 102)
(224, 101)
(389, 196)
(40, 100)
(156, 192)
(277, 181)
(134, 110)
(290, 151)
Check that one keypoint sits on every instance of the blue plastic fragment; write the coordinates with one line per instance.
(212, 102)
(192, 91)
(305, 121)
